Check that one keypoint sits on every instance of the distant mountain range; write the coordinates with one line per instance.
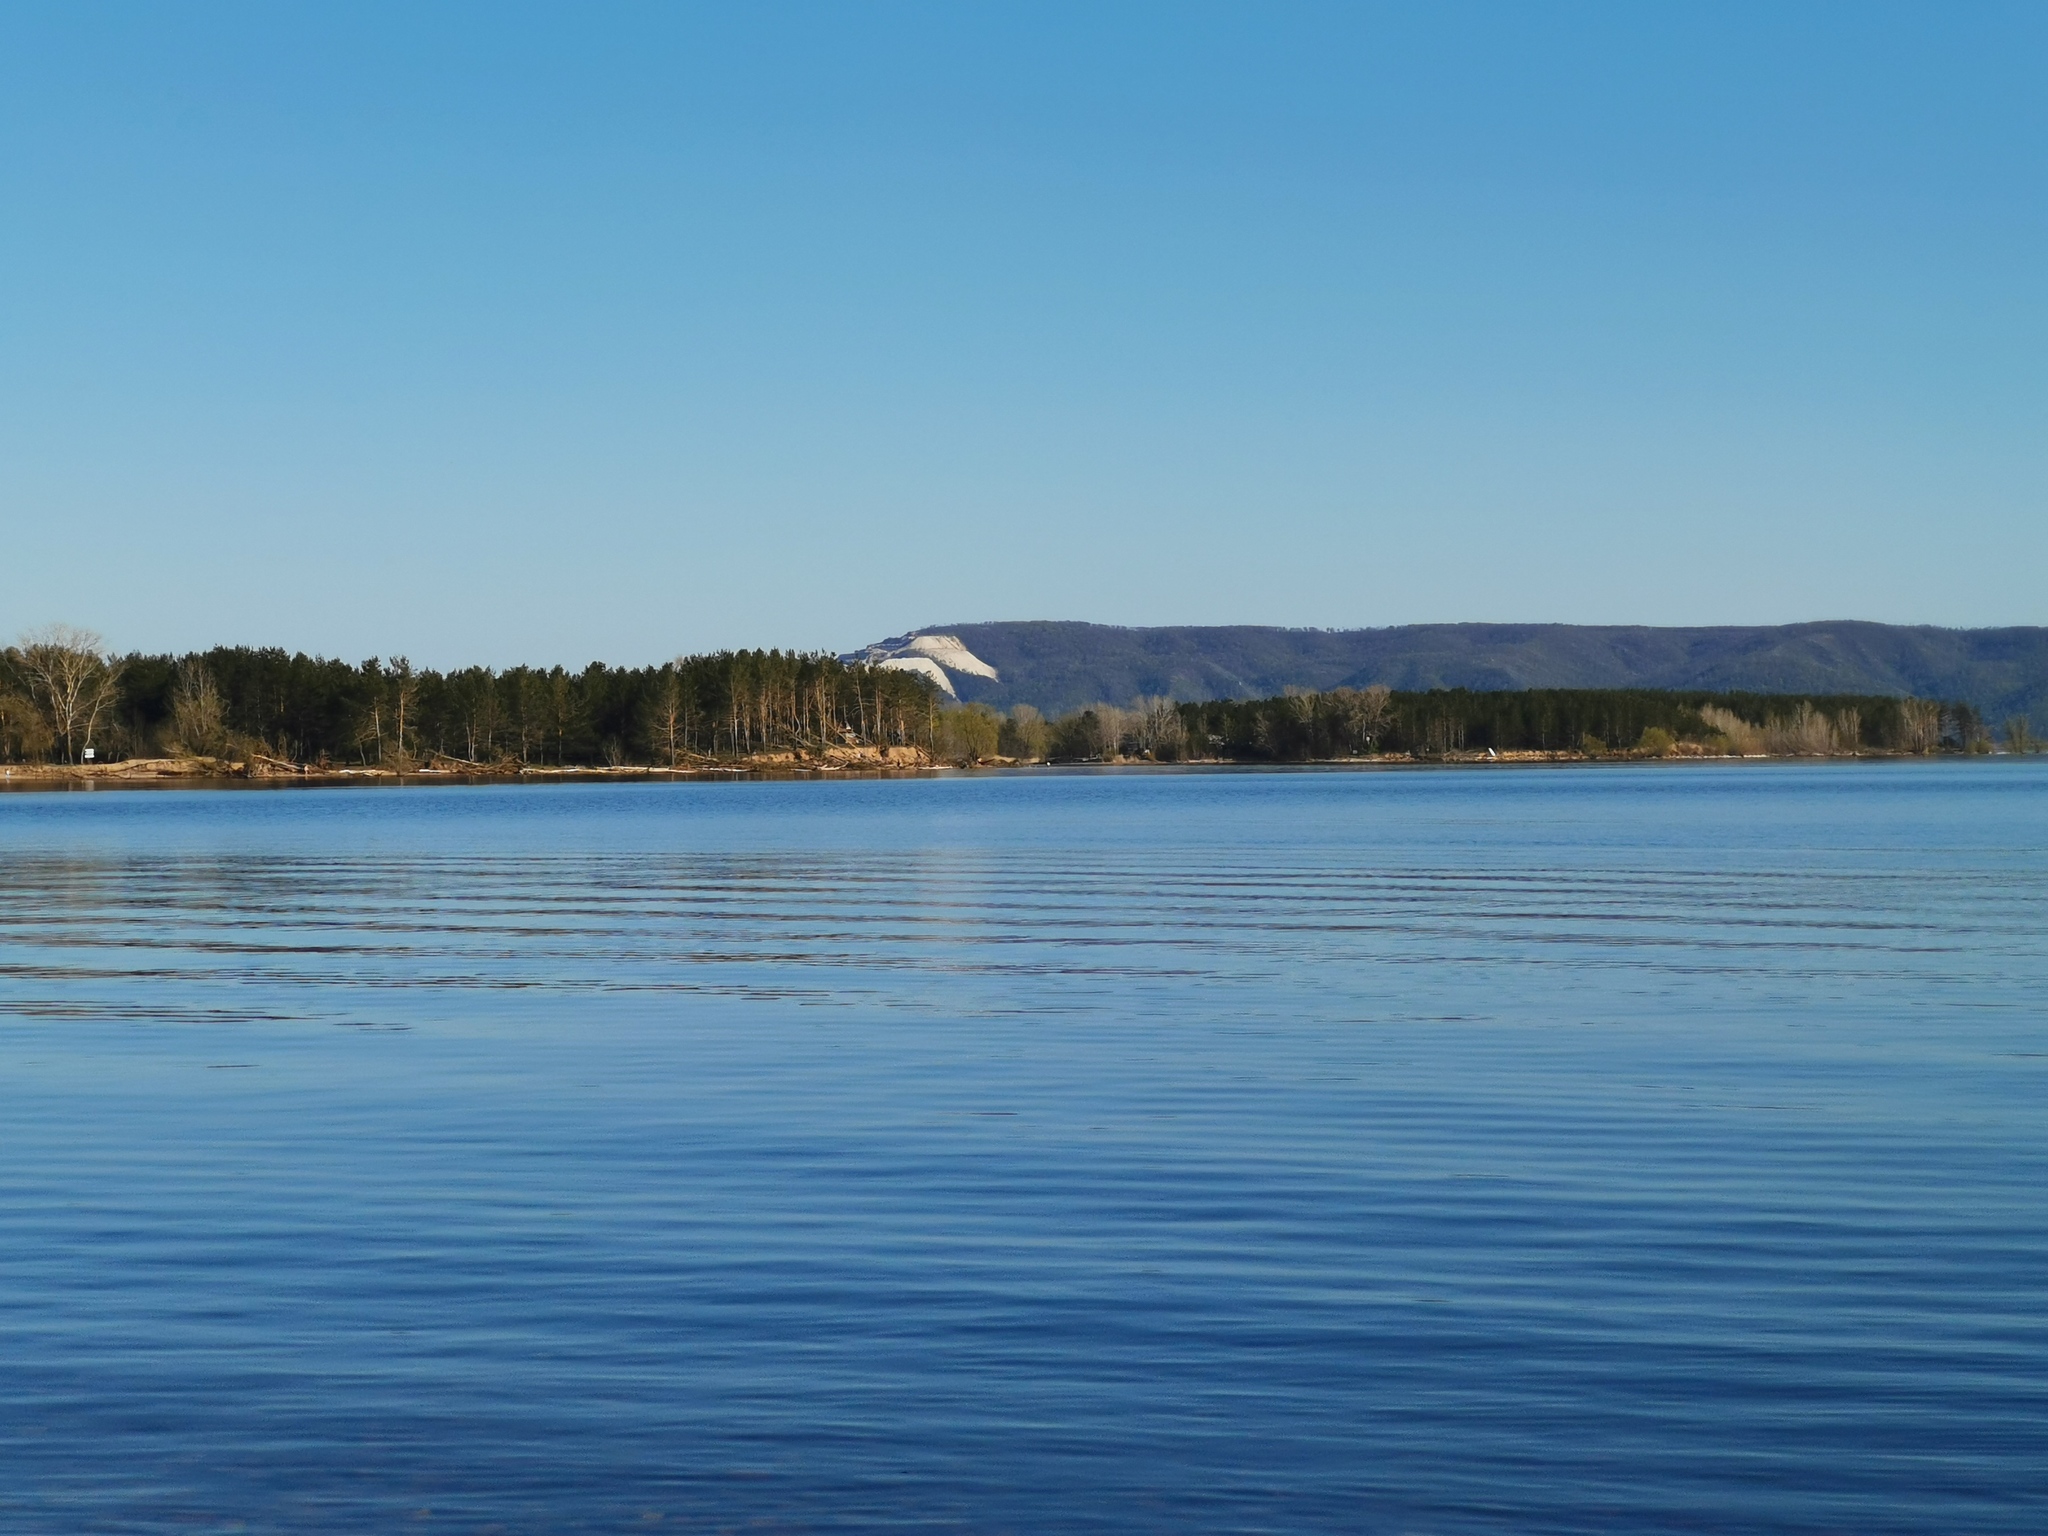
(1062, 666)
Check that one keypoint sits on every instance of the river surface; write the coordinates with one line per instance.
(1582, 1149)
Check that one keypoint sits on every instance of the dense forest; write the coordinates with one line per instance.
(1305, 726)
(1347, 722)
(63, 698)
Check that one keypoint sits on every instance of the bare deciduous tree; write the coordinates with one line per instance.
(1806, 732)
(370, 731)
(72, 680)
(665, 725)
(198, 717)
(1849, 732)
(1919, 725)
(1739, 736)
(1158, 728)
(405, 693)
(1375, 709)
(1358, 716)
(475, 695)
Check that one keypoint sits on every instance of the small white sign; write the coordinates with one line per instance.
(88, 754)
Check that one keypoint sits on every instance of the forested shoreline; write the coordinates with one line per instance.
(60, 696)
(65, 700)
(1590, 721)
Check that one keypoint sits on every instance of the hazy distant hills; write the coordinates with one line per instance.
(1060, 666)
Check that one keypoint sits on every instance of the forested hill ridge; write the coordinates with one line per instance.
(1059, 667)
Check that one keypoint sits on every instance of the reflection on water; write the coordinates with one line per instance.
(1519, 1151)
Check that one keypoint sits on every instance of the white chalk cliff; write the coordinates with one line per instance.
(938, 657)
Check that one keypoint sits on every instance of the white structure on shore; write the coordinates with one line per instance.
(937, 657)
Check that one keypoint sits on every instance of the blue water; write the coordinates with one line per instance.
(1601, 1149)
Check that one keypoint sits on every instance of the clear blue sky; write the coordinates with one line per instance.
(497, 332)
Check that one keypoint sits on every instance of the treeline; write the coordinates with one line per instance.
(1305, 726)
(1349, 722)
(63, 697)
(60, 695)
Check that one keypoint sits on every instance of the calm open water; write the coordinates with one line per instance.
(1637, 1149)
